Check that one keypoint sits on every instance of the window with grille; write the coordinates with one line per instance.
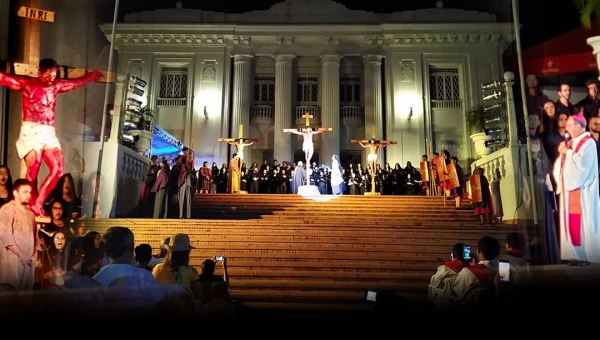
(173, 86)
(264, 90)
(348, 157)
(444, 88)
(307, 90)
(350, 91)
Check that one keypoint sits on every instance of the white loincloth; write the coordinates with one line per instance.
(36, 136)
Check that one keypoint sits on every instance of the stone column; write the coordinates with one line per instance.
(330, 107)
(116, 127)
(373, 102)
(282, 149)
(242, 95)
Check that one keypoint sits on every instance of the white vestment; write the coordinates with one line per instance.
(579, 172)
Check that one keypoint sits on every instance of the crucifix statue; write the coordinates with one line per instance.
(239, 142)
(374, 145)
(307, 133)
(39, 87)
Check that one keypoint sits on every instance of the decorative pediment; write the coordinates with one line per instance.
(436, 39)
(309, 12)
(311, 40)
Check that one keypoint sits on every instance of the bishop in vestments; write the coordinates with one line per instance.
(576, 175)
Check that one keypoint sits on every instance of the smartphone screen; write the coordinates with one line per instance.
(503, 271)
(467, 252)
(371, 295)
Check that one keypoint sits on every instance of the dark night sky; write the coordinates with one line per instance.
(539, 21)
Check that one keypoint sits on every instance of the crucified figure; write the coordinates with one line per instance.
(37, 139)
(374, 146)
(239, 144)
(307, 145)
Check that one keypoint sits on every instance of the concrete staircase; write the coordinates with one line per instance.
(293, 255)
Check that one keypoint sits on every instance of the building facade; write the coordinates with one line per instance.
(409, 77)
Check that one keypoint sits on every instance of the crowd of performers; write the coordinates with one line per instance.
(442, 176)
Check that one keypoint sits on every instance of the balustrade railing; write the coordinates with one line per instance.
(351, 112)
(313, 110)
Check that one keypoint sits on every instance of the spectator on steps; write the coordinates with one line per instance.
(208, 277)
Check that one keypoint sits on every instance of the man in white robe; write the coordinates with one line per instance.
(576, 175)
(18, 241)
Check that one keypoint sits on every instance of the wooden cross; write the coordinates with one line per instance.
(307, 133)
(307, 129)
(240, 142)
(374, 147)
(380, 143)
(308, 116)
(34, 16)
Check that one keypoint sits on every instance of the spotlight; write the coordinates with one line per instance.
(492, 96)
(495, 142)
(493, 131)
(492, 107)
(491, 85)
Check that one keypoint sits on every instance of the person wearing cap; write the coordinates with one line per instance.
(176, 269)
(576, 175)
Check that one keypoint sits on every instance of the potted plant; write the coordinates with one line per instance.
(146, 122)
(590, 10)
(145, 129)
(475, 119)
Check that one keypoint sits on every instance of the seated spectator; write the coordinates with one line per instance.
(176, 269)
(119, 247)
(482, 271)
(208, 278)
(220, 310)
(452, 267)
(515, 245)
(143, 255)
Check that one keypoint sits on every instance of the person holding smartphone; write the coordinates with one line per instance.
(447, 272)
(482, 273)
(208, 277)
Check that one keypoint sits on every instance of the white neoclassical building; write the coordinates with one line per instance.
(410, 76)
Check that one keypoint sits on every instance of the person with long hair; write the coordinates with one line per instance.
(176, 269)
(6, 184)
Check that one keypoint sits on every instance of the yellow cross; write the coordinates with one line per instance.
(308, 116)
(373, 131)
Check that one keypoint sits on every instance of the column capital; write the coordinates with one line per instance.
(372, 58)
(284, 58)
(331, 58)
(242, 58)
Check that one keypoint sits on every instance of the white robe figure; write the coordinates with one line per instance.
(580, 172)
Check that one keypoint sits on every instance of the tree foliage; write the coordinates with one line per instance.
(588, 10)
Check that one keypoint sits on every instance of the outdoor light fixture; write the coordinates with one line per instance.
(494, 142)
(491, 85)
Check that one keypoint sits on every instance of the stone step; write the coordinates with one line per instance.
(292, 255)
(277, 225)
(359, 274)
